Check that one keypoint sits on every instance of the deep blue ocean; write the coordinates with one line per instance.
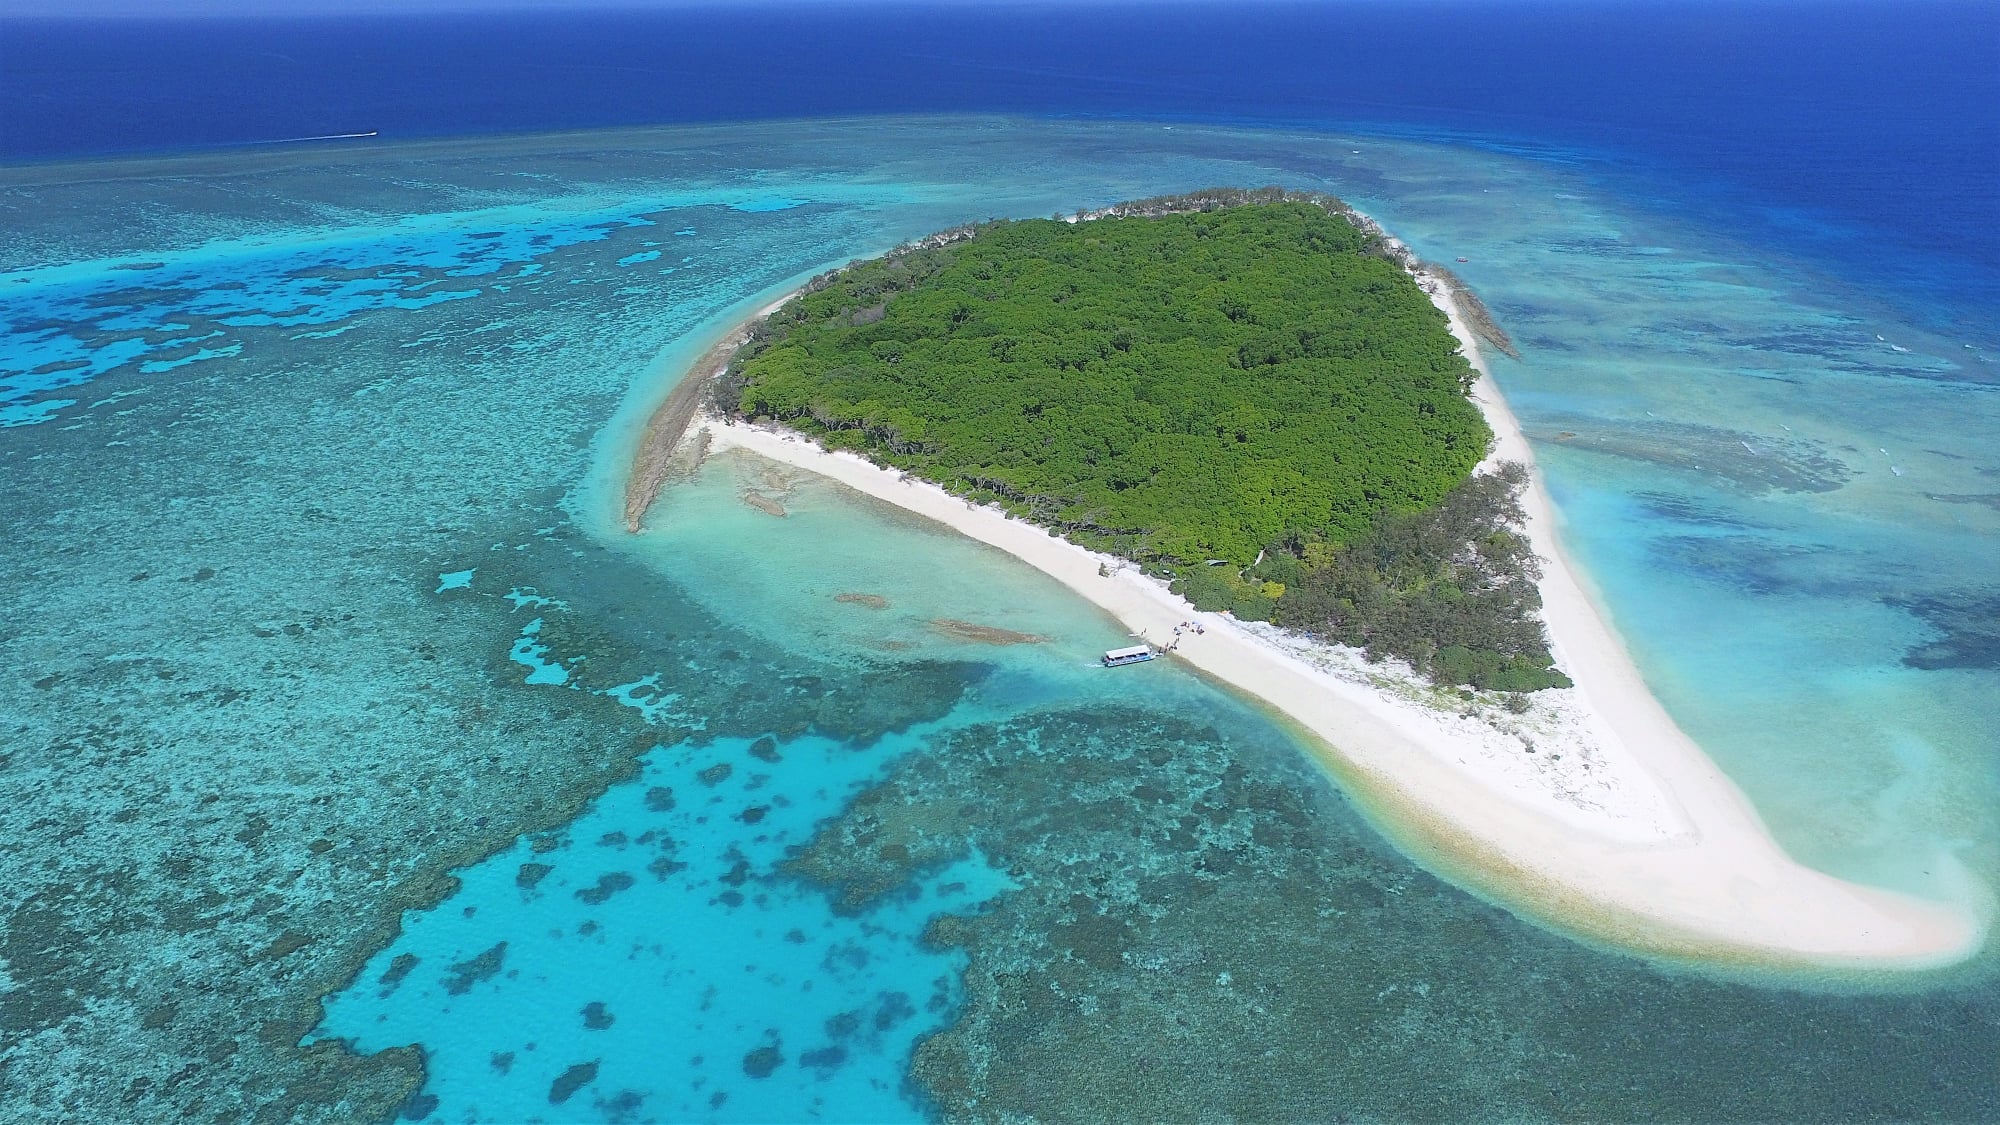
(1838, 124)
(357, 764)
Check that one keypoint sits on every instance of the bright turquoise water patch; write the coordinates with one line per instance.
(160, 366)
(69, 322)
(29, 414)
(652, 960)
(528, 652)
(522, 599)
(270, 609)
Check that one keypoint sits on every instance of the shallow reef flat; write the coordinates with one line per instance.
(1203, 929)
(256, 730)
(314, 597)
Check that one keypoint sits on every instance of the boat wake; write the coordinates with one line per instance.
(322, 137)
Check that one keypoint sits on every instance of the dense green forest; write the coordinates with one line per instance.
(1450, 589)
(1235, 395)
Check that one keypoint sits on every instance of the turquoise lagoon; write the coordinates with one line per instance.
(316, 592)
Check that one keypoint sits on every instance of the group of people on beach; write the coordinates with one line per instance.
(1184, 627)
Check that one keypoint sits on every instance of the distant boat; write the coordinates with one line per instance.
(322, 137)
(1117, 656)
(1465, 259)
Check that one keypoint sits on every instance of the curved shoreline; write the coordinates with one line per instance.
(654, 463)
(1677, 865)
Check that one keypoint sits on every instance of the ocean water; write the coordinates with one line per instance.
(358, 765)
(364, 764)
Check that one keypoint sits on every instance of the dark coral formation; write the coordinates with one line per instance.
(570, 1081)
(481, 967)
(762, 1061)
(1968, 627)
(269, 897)
(1203, 930)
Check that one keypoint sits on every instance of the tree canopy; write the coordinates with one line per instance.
(1175, 389)
(1181, 383)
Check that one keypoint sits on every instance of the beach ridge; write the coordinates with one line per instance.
(1642, 843)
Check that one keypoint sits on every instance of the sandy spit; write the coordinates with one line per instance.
(1618, 829)
(654, 461)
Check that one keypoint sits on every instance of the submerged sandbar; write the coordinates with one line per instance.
(1667, 858)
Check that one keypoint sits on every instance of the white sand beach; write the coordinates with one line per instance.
(1593, 814)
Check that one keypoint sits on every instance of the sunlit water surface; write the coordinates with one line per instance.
(314, 475)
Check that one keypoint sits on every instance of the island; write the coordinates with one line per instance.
(1258, 431)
